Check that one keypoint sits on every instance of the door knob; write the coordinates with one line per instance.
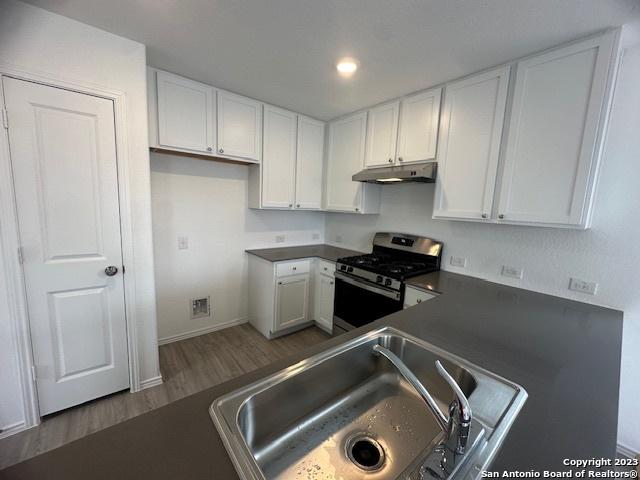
(111, 270)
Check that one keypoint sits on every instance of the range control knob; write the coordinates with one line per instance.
(343, 267)
(387, 282)
(350, 269)
(379, 279)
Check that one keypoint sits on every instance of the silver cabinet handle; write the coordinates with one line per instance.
(290, 205)
(418, 300)
(298, 205)
(400, 159)
(391, 160)
(294, 268)
(221, 150)
(279, 283)
(484, 215)
(501, 216)
(330, 283)
(111, 270)
(209, 149)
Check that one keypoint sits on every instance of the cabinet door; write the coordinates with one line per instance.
(239, 126)
(324, 301)
(345, 158)
(552, 149)
(279, 158)
(292, 296)
(419, 119)
(309, 163)
(186, 117)
(382, 134)
(471, 132)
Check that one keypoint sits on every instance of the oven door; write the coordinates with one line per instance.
(358, 302)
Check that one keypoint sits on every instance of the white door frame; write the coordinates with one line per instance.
(10, 237)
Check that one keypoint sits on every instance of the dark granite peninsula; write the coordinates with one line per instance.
(566, 355)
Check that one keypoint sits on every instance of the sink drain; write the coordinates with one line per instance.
(365, 452)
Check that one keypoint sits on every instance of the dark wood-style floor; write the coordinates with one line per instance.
(187, 367)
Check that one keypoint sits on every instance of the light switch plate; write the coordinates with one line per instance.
(512, 272)
(458, 262)
(582, 286)
(183, 243)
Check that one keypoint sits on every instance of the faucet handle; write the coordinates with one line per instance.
(463, 401)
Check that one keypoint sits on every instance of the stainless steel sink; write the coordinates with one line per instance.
(347, 413)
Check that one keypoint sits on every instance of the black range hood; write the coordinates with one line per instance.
(425, 173)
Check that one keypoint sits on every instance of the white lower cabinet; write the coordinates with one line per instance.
(284, 296)
(323, 296)
(292, 301)
(279, 295)
(414, 296)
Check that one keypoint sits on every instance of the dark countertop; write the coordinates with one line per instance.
(327, 252)
(566, 354)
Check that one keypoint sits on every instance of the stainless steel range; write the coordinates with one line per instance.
(371, 286)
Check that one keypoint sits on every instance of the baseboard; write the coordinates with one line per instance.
(627, 452)
(151, 382)
(201, 331)
(12, 429)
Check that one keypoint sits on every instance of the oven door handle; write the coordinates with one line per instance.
(368, 286)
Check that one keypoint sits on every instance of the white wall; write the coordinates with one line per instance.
(207, 202)
(11, 411)
(37, 41)
(608, 253)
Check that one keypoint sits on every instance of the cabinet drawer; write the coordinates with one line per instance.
(326, 268)
(292, 268)
(413, 296)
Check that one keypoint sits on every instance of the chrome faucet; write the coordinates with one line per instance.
(457, 424)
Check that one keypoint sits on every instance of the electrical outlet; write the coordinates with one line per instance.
(583, 286)
(200, 307)
(513, 272)
(183, 243)
(338, 238)
(279, 238)
(315, 236)
(458, 262)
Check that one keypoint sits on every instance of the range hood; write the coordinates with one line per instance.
(425, 173)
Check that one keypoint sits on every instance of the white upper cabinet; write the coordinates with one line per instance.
(345, 157)
(279, 158)
(185, 114)
(418, 132)
(382, 134)
(469, 146)
(559, 108)
(309, 165)
(239, 126)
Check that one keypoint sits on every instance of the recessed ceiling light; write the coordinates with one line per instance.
(347, 67)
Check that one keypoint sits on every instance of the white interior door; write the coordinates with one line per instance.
(65, 174)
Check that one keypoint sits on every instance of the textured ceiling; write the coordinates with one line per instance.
(284, 51)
